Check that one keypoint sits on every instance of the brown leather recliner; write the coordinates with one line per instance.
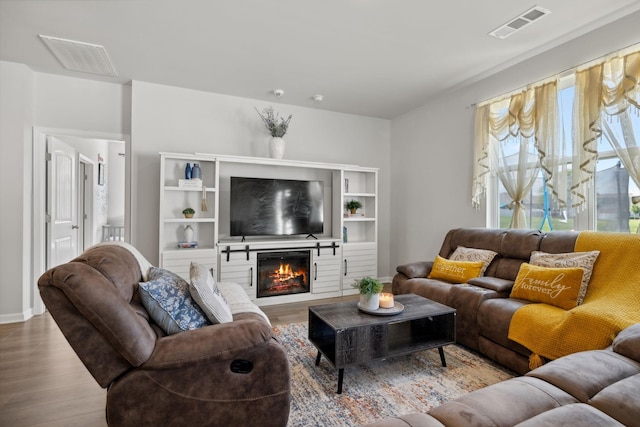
(232, 374)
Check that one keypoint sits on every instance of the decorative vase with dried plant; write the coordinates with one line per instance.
(277, 127)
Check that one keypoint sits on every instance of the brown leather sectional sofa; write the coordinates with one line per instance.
(484, 309)
(590, 388)
(597, 387)
(230, 374)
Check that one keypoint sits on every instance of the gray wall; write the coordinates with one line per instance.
(158, 118)
(16, 118)
(53, 103)
(172, 119)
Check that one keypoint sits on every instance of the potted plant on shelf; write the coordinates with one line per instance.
(370, 290)
(188, 213)
(277, 127)
(353, 206)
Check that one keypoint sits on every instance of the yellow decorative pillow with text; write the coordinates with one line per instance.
(553, 286)
(455, 271)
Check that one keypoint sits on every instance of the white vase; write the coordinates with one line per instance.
(188, 234)
(276, 147)
(370, 302)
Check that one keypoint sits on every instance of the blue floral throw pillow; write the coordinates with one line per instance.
(167, 299)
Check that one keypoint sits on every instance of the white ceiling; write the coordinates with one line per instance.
(377, 58)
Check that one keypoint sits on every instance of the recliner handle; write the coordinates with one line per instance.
(241, 366)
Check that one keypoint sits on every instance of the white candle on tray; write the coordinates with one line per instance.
(386, 300)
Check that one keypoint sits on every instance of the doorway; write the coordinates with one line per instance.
(82, 201)
(94, 149)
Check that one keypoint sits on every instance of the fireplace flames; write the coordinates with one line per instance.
(284, 278)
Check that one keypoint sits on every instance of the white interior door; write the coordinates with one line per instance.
(62, 201)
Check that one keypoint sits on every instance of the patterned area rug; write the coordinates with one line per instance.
(379, 389)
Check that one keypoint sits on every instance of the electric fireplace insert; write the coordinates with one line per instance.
(283, 273)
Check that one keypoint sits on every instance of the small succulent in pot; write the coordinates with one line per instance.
(370, 290)
(368, 286)
(188, 212)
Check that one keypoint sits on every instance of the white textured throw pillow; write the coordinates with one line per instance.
(584, 260)
(206, 294)
(472, 254)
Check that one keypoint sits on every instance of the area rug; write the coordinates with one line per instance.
(379, 389)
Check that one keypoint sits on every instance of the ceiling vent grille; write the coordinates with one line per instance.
(519, 22)
(79, 56)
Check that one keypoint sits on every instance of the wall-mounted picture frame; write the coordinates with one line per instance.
(100, 173)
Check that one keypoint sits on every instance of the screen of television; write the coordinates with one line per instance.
(279, 207)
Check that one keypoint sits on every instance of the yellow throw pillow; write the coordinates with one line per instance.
(554, 286)
(584, 260)
(472, 254)
(455, 271)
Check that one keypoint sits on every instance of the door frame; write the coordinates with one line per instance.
(39, 218)
(85, 200)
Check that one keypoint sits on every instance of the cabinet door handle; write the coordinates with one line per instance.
(251, 276)
(315, 273)
(345, 268)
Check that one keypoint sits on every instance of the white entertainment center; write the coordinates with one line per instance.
(344, 252)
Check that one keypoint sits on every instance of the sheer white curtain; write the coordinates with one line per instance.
(529, 120)
(481, 165)
(607, 89)
(626, 148)
(552, 149)
(517, 173)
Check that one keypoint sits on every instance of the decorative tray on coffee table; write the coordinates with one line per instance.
(396, 309)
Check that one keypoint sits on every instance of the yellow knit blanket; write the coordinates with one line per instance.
(612, 302)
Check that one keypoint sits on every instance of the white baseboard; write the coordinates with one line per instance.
(16, 317)
(385, 279)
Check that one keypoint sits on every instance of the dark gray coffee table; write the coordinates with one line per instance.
(346, 336)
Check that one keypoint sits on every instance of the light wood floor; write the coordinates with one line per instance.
(44, 383)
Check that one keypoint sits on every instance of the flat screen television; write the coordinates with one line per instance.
(276, 207)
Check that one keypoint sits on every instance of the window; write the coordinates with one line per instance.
(612, 201)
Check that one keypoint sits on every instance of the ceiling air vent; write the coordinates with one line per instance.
(519, 22)
(79, 56)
